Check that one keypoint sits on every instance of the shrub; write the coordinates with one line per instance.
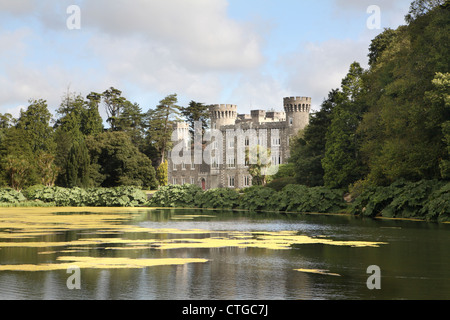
(279, 184)
(258, 198)
(115, 197)
(62, 197)
(437, 208)
(218, 199)
(409, 199)
(423, 199)
(299, 198)
(94, 197)
(9, 195)
(175, 196)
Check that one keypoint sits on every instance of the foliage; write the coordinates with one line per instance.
(341, 162)
(119, 162)
(78, 163)
(175, 196)
(160, 122)
(218, 199)
(257, 198)
(425, 199)
(259, 164)
(92, 197)
(437, 208)
(9, 195)
(308, 150)
(162, 173)
(298, 198)
(419, 8)
(402, 129)
(279, 184)
(196, 112)
(122, 196)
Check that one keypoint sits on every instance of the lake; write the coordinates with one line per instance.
(159, 254)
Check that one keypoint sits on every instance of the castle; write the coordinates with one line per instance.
(274, 131)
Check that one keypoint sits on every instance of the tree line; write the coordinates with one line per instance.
(74, 149)
(390, 121)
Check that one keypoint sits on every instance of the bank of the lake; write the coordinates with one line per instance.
(423, 200)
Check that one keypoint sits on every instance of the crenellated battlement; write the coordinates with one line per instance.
(297, 104)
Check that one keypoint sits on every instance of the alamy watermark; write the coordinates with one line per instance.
(74, 281)
(73, 22)
(374, 20)
(374, 281)
(237, 148)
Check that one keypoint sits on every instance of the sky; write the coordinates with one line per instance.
(251, 53)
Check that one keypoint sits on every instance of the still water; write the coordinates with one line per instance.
(213, 255)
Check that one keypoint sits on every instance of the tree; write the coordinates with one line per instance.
(114, 102)
(439, 113)
(342, 163)
(35, 125)
(78, 165)
(18, 170)
(419, 8)
(115, 161)
(92, 122)
(259, 163)
(160, 122)
(196, 112)
(47, 169)
(308, 150)
(402, 128)
(131, 121)
(380, 44)
(162, 174)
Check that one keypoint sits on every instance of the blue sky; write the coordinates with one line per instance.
(246, 52)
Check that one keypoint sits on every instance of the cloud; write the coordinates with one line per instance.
(327, 64)
(161, 46)
(196, 34)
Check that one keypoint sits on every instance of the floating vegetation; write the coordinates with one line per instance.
(190, 217)
(110, 229)
(99, 263)
(317, 271)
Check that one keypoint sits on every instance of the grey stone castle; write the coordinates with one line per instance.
(228, 173)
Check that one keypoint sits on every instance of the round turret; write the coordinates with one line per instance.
(223, 115)
(297, 112)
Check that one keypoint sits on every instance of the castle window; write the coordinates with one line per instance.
(183, 166)
(193, 166)
(291, 121)
(231, 181)
(183, 181)
(174, 167)
(192, 181)
(174, 180)
(276, 142)
(276, 158)
(214, 163)
(247, 181)
(231, 162)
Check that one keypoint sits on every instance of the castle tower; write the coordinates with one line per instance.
(223, 115)
(297, 111)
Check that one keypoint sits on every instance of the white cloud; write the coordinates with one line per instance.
(161, 46)
(319, 68)
(196, 34)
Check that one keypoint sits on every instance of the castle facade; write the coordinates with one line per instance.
(226, 168)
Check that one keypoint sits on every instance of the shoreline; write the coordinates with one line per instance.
(55, 209)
